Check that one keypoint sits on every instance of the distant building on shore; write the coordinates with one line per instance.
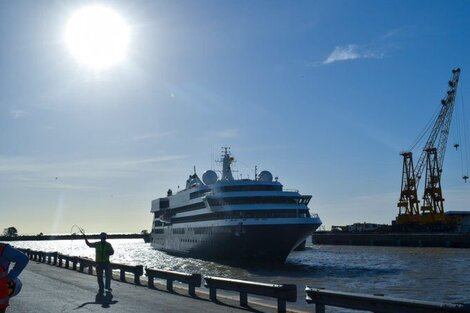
(361, 227)
(462, 219)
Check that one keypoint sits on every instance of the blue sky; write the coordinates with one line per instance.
(324, 94)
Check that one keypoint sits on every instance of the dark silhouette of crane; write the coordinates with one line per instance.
(431, 159)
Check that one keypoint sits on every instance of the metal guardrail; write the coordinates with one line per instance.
(377, 304)
(68, 259)
(282, 293)
(193, 280)
(137, 270)
(85, 262)
(79, 263)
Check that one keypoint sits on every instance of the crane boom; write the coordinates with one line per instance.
(441, 127)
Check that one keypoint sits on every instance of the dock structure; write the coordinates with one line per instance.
(447, 240)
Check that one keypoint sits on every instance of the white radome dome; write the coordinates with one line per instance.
(265, 176)
(209, 177)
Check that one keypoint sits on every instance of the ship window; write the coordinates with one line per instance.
(178, 231)
(158, 231)
(164, 203)
(199, 193)
(251, 188)
(248, 214)
(189, 207)
(252, 200)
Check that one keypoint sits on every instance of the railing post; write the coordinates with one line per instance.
(319, 308)
(169, 285)
(139, 270)
(59, 256)
(150, 282)
(213, 293)
(281, 305)
(192, 290)
(90, 269)
(74, 263)
(55, 258)
(243, 299)
(122, 275)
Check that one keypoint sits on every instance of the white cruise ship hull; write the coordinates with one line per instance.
(266, 241)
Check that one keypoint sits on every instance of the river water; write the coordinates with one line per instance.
(436, 274)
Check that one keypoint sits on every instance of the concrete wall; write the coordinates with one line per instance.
(454, 240)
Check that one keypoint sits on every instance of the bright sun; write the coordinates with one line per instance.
(97, 36)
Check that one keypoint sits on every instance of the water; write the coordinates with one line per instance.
(436, 274)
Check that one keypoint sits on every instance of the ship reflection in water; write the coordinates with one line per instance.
(394, 271)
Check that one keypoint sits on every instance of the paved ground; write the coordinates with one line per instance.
(50, 289)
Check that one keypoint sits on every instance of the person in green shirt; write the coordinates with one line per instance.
(103, 250)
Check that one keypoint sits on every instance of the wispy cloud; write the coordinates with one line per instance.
(17, 114)
(351, 52)
(397, 32)
(227, 133)
(152, 136)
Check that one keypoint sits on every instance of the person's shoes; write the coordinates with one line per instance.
(109, 289)
(101, 291)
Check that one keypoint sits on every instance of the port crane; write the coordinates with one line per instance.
(431, 163)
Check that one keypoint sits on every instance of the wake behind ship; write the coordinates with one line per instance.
(232, 219)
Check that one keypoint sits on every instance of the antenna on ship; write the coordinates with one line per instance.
(226, 160)
(256, 172)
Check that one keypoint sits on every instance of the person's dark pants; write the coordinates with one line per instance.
(106, 268)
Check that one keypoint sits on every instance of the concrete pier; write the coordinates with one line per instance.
(447, 240)
(50, 289)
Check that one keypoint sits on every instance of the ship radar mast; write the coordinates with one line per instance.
(226, 160)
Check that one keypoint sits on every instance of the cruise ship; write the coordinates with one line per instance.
(232, 219)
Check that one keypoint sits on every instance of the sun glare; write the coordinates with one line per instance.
(97, 36)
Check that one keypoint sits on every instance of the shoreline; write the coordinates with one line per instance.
(72, 237)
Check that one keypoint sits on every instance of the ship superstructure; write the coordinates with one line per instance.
(232, 219)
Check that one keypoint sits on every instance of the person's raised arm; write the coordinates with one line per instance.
(20, 259)
(89, 244)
